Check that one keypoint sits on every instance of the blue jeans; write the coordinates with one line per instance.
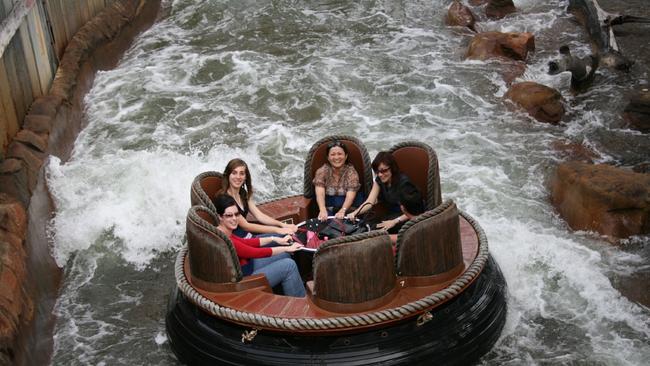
(281, 269)
(243, 234)
(334, 203)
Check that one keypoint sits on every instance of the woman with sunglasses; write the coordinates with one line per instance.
(336, 183)
(386, 188)
(238, 184)
(254, 255)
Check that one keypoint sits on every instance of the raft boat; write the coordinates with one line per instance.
(438, 298)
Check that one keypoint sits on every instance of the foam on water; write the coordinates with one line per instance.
(122, 203)
(216, 81)
(140, 198)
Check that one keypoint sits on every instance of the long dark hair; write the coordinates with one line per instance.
(245, 193)
(411, 199)
(222, 202)
(386, 158)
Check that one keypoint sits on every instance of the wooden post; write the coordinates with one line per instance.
(40, 45)
(29, 61)
(8, 118)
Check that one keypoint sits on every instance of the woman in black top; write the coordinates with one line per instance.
(386, 188)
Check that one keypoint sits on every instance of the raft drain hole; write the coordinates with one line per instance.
(384, 334)
(346, 341)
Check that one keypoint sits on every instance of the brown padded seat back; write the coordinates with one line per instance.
(212, 256)
(420, 163)
(354, 269)
(357, 156)
(430, 244)
(204, 188)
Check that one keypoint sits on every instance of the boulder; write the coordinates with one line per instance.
(497, 9)
(510, 70)
(477, 2)
(35, 141)
(13, 218)
(540, 101)
(14, 180)
(642, 167)
(609, 200)
(637, 111)
(573, 151)
(31, 157)
(460, 15)
(38, 124)
(511, 45)
(15, 307)
(45, 105)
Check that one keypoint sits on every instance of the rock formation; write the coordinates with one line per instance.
(497, 9)
(50, 128)
(514, 46)
(610, 200)
(637, 111)
(460, 15)
(540, 101)
(573, 151)
(15, 308)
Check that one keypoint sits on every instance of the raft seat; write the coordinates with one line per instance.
(293, 209)
(317, 156)
(206, 185)
(212, 259)
(261, 300)
(204, 188)
(353, 273)
(429, 247)
(419, 162)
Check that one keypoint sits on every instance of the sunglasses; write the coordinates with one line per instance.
(231, 215)
(334, 144)
(382, 171)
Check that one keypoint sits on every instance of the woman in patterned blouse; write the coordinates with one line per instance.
(336, 183)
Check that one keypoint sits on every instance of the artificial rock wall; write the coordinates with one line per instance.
(29, 278)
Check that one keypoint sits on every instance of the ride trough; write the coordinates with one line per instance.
(437, 298)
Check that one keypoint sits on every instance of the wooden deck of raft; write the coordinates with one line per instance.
(261, 301)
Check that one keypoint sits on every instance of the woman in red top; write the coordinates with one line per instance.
(254, 254)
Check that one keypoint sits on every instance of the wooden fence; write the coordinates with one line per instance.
(33, 37)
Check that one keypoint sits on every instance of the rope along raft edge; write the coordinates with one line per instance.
(400, 312)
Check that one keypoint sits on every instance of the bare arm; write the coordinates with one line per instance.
(320, 200)
(372, 199)
(288, 246)
(389, 224)
(261, 216)
(257, 228)
(349, 198)
(269, 225)
(285, 240)
(287, 249)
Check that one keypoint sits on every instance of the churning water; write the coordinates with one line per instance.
(263, 80)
